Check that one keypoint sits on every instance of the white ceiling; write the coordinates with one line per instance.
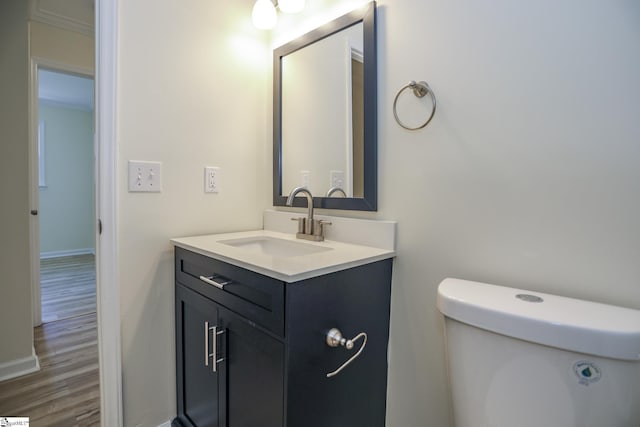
(65, 89)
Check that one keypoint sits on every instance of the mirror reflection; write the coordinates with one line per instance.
(324, 115)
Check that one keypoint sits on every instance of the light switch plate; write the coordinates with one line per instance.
(145, 176)
(305, 178)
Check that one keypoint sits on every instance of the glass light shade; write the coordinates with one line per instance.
(291, 6)
(264, 15)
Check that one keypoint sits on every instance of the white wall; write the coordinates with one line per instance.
(67, 217)
(16, 331)
(192, 93)
(527, 175)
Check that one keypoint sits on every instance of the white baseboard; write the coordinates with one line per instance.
(165, 424)
(70, 252)
(17, 368)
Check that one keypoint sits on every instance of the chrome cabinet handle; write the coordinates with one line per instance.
(214, 354)
(335, 339)
(209, 280)
(206, 342)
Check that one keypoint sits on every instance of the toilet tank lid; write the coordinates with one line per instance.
(566, 323)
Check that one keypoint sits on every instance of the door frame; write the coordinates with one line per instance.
(36, 64)
(106, 133)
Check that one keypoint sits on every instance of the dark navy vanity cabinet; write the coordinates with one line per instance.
(254, 354)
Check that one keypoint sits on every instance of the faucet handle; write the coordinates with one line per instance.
(301, 222)
(318, 227)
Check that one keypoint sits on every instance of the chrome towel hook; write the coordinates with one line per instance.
(335, 339)
(419, 89)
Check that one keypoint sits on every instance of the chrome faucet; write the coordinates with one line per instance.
(336, 190)
(308, 228)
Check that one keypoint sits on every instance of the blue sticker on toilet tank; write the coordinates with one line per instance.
(587, 372)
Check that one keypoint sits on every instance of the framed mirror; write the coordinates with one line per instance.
(324, 114)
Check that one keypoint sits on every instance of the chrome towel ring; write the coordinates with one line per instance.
(334, 339)
(419, 89)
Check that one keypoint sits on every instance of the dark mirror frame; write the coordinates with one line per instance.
(366, 15)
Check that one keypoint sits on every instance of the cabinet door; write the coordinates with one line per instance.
(253, 365)
(198, 385)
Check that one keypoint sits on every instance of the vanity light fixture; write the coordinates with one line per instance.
(264, 15)
(264, 11)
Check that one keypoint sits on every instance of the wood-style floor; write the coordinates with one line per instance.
(68, 286)
(65, 392)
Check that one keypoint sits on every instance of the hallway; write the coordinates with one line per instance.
(65, 392)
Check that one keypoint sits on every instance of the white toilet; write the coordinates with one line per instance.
(526, 359)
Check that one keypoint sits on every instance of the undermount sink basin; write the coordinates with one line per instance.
(275, 247)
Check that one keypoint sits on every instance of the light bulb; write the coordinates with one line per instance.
(291, 6)
(264, 15)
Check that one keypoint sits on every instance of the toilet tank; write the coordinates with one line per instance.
(519, 358)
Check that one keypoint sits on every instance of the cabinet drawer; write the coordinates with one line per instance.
(258, 298)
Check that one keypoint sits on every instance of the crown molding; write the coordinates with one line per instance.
(41, 13)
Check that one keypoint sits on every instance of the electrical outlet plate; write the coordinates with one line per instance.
(336, 179)
(211, 179)
(145, 176)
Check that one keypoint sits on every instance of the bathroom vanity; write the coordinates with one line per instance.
(253, 311)
(272, 331)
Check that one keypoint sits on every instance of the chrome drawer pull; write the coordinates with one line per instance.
(335, 339)
(209, 280)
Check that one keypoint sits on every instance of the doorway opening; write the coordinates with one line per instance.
(66, 183)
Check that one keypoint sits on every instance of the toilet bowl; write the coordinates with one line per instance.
(519, 358)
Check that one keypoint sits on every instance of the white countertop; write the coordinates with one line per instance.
(340, 255)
